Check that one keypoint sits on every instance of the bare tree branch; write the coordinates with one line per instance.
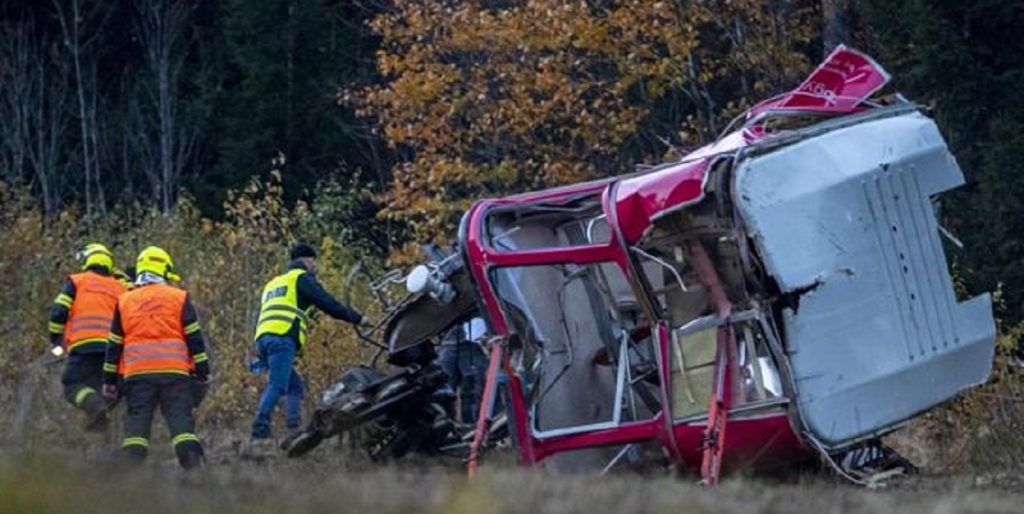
(161, 28)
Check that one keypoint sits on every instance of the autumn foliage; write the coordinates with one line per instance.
(486, 100)
(224, 265)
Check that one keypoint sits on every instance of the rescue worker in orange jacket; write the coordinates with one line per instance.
(156, 344)
(79, 324)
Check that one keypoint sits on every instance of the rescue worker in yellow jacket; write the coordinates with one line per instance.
(155, 343)
(79, 324)
(287, 303)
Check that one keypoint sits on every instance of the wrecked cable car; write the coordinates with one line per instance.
(780, 293)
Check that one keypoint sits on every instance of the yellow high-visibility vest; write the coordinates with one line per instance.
(279, 307)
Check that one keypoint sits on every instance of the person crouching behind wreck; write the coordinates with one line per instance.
(156, 344)
(464, 362)
(286, 304)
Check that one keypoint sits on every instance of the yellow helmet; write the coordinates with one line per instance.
(95, 254)
(158, 262)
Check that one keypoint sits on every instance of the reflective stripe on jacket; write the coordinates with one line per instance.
(154, 338)
(279, 307)
(92, 311)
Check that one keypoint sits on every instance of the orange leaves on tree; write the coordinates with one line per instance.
(492, 100)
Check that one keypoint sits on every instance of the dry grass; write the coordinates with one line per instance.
(44, 485)
(982, 432)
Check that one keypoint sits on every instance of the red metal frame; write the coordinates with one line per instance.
(631, 205)
(686, 444)
(483, 420)
(718, 406)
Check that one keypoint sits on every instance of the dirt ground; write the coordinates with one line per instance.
(236, 479)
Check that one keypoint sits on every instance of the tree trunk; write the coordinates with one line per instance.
(289, 121)
(83, 119)
(48, 124)
(94, 142)
(72, 28)
(836, 25)
(32, 112)
(161, 26)
(166, 131)
(15, 63)
(81, 25)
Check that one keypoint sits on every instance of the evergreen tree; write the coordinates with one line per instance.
(965, 61)
(286, 62)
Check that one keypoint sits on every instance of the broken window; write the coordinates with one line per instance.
(755, 377)
(587, 345)
(547, 225)
(676, 288)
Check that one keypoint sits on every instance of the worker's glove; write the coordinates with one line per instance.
(110, 392)
(199, 387)
(57, 351)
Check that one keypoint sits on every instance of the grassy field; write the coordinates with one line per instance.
(44, 476)
(970, 453)
(45, 484)
(57, 468)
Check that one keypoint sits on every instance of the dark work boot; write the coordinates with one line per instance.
(133, 454)
(300, 443)
(190, 454)
(95, 409)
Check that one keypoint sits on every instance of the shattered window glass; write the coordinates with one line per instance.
(582, 322)
(755, 377)
(577, 222)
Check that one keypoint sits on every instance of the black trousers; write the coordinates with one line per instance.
(82, 377)
(175, 397)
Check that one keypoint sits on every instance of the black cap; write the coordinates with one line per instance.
(300, 250)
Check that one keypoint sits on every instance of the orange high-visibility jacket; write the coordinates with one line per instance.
(93, 308)
(154, 337)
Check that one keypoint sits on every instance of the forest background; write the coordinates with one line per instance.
(223, 130)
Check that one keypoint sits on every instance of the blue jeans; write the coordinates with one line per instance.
(278, 354)
(466, 367)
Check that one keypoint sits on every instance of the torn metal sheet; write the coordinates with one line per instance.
(881, 337)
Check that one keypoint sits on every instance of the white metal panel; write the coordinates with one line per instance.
(844, 219)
